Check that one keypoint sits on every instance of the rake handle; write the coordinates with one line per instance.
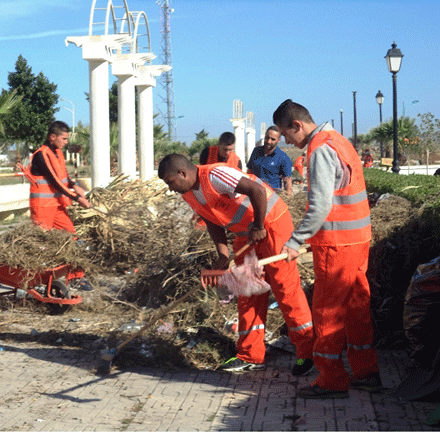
(238, 253)
(281, 256)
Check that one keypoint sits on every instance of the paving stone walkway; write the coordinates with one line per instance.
(49, 389)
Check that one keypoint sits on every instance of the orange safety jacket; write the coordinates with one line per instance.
(368, 162)
(299, 165)
(42, 192)
(233, 159)
(348, 221)
(235, 215)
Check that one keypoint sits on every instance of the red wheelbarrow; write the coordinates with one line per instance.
(47, 286)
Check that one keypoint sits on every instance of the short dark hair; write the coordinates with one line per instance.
(290, 111)
(273, 128)
(227, 138)
(57, 128)
(172, 163)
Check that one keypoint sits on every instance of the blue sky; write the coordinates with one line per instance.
(258, 51)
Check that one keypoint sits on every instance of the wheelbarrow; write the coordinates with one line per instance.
(47, 286)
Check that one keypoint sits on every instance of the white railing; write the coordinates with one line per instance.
(416, 169)
(14, 197)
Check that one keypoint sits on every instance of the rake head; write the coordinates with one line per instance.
(210, 277)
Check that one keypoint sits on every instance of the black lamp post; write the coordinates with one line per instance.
(354, 121)
(342, 124)
(394, 60)
(379, 98)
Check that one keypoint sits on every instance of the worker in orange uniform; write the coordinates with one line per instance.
(299, 165)
(229, 199)
(51, 189)
(337, 226)
(223, 152)
(368, 159)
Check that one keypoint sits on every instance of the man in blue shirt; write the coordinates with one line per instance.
(270, 163)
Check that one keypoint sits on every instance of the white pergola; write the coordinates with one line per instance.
(250, 134)
(121, 39)
(238, 123)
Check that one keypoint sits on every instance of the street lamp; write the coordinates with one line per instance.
(379, 99)
(394, 60)
(342, 124)
(73, 113)
(354, 120)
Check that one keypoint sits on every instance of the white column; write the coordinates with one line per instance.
(250, 142)
(99, 122)
(145, 82)
(145, 132)
(127, 126)
(238, 125)
(97, 50)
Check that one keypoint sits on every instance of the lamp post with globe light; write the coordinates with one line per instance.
(394, 60)
(379, 99)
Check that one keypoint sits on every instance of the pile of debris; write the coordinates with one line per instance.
(145, 236)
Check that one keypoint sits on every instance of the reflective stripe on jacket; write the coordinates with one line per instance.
(235, 215)
(42, 192)
(348, 221)
(233, 159)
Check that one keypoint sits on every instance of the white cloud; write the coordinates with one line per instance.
(11, 10)
(50, 33)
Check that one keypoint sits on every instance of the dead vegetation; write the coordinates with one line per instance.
(140, 250)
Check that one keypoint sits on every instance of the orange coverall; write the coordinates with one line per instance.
(236, 215)
(299, 165)
(233, 161)
(341, 297)
(50, 194)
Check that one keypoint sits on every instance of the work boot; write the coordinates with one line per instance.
(372, 383)
(302, 366)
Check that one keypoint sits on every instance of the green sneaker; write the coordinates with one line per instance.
(434, 418)
(302, 366)
(235, 364)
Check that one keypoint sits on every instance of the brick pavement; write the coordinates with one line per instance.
(49, 389)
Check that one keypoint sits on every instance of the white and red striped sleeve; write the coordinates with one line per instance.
(225, 180)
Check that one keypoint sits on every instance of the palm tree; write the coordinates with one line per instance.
(8, 100)
(406, 130)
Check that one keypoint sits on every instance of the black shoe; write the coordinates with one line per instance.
(302, 366)
(234, 364)
(372, 383)
(316, 392)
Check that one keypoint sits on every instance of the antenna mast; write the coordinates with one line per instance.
(166, 79)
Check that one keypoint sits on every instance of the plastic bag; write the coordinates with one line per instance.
(421, 314)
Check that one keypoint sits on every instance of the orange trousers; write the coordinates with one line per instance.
(284, 280)
(341, 315)
(52, 217)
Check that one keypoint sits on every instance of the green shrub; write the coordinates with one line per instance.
(419, 189)
(407, 244)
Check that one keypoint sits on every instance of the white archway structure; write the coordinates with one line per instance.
(115, 37)
(127, 61)
(238, 122)
(250, 133)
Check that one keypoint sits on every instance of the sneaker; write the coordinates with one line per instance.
(302, 366)
(372, 383)
(234, 364)
(434, 418)
(316, 392)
